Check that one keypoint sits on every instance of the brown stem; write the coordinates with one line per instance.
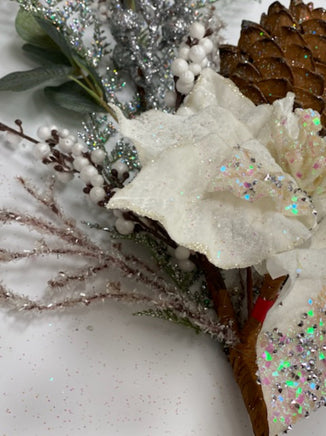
(242, 355)
(5, 128)
(221, 299)
(243, 358)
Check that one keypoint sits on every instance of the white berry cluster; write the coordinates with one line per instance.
(123, 225)
(62, 151)
(192, 58)
(182, 257)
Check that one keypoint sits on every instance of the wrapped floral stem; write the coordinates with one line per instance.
(242, 355)
(243, 358)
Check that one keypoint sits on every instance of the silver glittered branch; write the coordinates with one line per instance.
(139, 283)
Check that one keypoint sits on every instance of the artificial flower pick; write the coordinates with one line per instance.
(220, 174)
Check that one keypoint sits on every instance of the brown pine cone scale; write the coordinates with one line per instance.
(285, 52)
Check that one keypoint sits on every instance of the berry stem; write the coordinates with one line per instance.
(5, 128)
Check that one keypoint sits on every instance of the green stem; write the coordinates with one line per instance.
(98, 99)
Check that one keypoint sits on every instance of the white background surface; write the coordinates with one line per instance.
(99, 371)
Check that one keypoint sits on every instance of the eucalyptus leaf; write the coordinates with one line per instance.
(22, 80)
(72, 97)
(56, 36)
(30, 31)
(45, 57)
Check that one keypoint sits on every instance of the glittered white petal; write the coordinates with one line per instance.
(229, 230)
(290, 347)
(212, 89)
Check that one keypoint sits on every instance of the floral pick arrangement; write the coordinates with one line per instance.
(212, 157)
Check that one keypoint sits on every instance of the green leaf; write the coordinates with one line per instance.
(72, 97)
(22, 80)
(45, 57)
(30, 31)
(56, 36)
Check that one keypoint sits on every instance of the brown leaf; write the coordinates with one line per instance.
(288, 36)
(274, 22)
(264, 48)
(309, 100)
(298, 56)
(229, 59)
(319, 13)
(248, 72)
(320, 68)
(276, 7)
(314, 26)
(250, 33)
(272, 67)
(300, 10)
(307, 80)
(317, 45)
(249, 90)
(273, 89)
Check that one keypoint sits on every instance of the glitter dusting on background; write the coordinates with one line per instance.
(292, 366)
(82, 374)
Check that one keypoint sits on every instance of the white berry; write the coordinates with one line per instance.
(44, 132)
(87, 172)
(98, 156)
(97, 180)
(80, 162)
(120, 167)
(97, 194)
(179, 66)
(195, 68)
(187, 78)
(197, 30)
(181, 253)
(72, 138)
(197, 53)
(170, 98)
(183, 88)
(186, 265)
(124, 227)
(63, 133)
(183, 52)
(66, 144)
(41, 150)
(207, 44)
(77, 149)
(53, 127)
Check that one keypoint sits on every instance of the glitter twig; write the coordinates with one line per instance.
(156, 291)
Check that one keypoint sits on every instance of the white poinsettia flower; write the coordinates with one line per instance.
(212, 177)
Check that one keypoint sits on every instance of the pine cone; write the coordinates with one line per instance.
(285, 52)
